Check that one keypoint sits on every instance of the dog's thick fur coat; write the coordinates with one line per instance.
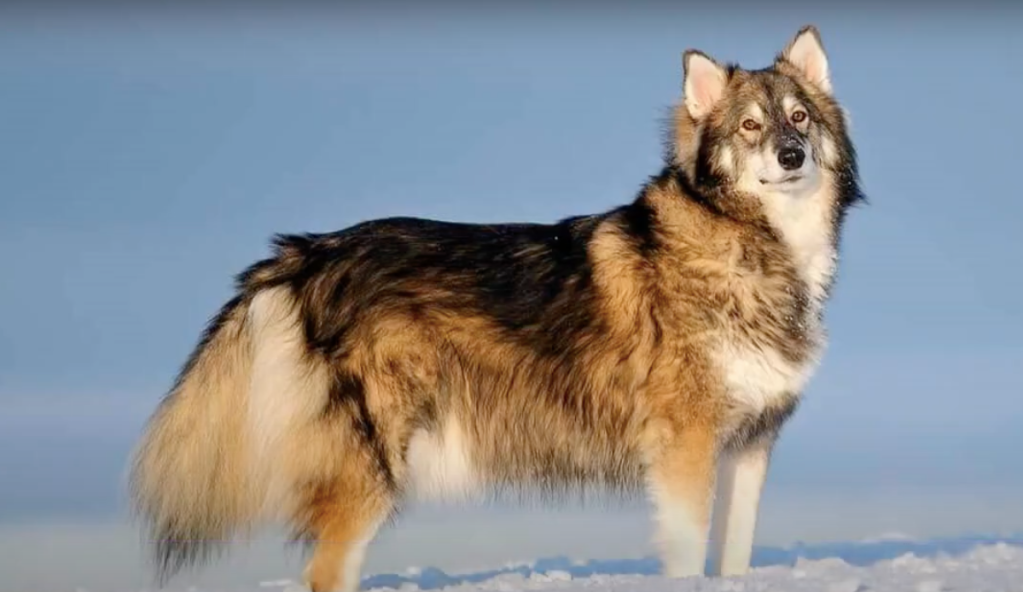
(659, 346)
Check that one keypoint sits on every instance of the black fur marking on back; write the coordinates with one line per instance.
(531, 279)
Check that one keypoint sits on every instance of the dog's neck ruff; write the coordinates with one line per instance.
(805, 224)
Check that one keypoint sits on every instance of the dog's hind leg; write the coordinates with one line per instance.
(344, 517)
(346, 504)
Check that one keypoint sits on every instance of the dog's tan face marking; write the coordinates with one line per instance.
(752, 125)
(797, 113)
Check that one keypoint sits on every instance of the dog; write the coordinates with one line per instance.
(657, 347)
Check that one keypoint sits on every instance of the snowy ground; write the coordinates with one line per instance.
(962, 565)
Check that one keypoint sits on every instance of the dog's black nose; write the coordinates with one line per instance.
(791, 157)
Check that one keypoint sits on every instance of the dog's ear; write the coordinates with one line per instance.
(704, 83)
(806, 53)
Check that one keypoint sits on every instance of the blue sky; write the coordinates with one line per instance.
(145, 162)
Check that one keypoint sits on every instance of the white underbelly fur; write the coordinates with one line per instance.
(440, 466)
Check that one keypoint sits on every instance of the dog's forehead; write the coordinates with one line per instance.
(767, 86)
(763, 92)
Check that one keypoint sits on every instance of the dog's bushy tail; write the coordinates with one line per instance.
(219, 455)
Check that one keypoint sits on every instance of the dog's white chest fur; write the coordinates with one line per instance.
(757, 376)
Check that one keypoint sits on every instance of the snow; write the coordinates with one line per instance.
(983, 567)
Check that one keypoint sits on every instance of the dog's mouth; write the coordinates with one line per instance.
(786, 180)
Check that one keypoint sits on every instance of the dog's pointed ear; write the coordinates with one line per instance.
(806, 53)
(704, 83)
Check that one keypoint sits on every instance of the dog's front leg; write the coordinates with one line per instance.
(681, 483)
(740, 482)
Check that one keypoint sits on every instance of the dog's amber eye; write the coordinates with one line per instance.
(798, 116)
(750, 125)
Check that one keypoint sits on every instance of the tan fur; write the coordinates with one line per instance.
(695, 335)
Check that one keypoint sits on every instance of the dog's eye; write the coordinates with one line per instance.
(750, 125)
(799, 116)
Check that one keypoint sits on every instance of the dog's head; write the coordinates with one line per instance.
(774, 133)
